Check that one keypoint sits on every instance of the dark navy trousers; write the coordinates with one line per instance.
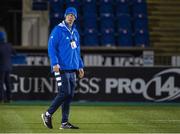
(5, 95)
(66, 82)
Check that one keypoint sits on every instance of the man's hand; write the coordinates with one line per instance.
(81, 73)
(56, 68)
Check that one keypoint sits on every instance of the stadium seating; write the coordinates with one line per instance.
(106, 8)
(91, 37)
(124, 21)
(56, 6)
(39, 4)
(140, 22)
(125, 38)
(90, 23)
(107, 37)
(122, 7)
(107, 22)
(55, 18)
(141, 38)
(74, 3)
(139, 7)
(89, 8)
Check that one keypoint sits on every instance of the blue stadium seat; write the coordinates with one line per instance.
(39, 4)
(106, 2)
(90, 22)
(73, 3)
(139, 7)
(140, 23)
(56, 15)
(106, 23)
(89, 2)
(124, 21)
(107, 37)
(122, 7)
(106, 8)
(89, 8)
(141, 38)
(125, 38)
(91, 37)
(79, 26)
(56, 5)
(140, 16)
(55, 18)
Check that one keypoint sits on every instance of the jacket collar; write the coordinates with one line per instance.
(65, 27)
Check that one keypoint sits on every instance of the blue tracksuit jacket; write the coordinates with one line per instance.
(60, 50)
(6, 51)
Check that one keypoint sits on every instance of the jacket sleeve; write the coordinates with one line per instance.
(81, 64)
(52, 46)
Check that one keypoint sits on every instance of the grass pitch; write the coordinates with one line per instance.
(126, 118)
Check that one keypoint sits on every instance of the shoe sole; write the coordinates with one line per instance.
(42, 116)
(68, 128)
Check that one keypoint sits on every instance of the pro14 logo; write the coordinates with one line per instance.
(162, 83)
(169, 86)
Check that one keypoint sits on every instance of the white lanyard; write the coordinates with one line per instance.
(72, 43)
(68, 29)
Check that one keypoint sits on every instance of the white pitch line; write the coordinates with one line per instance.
(166, 120)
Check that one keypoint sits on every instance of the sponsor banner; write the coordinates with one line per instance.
(131, 84)
(113, 60)
(98, 59)
(175, 61)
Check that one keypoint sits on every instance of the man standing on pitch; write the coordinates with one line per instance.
(64, 54)
(6, 51)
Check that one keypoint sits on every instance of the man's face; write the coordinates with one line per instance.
(70, 18)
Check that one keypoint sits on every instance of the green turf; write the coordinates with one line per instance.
(93, 119)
